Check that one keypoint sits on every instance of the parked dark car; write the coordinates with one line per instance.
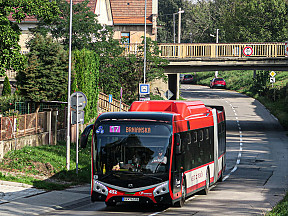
(188, 78)
(218, 82)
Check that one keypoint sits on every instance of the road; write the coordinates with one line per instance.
(256, 174)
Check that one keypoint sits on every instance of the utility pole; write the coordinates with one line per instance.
(69, 89)
(174, 27)
(179, 25)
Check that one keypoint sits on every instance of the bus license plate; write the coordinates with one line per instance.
(130, 199)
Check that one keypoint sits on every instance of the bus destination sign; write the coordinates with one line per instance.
(144, 130)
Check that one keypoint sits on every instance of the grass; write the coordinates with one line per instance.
(281, 209)
(45, 166)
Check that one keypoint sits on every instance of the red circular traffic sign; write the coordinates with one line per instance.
(247, 51)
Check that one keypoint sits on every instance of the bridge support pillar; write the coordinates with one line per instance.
(173, 85)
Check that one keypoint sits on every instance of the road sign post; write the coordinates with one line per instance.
(78, 103)
(272, 78)
(144, 92)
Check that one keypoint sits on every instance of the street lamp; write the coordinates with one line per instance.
(179, 24)
(217, 33)
(69, 89)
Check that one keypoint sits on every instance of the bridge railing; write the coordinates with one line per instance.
(221, 50)
(213, 50)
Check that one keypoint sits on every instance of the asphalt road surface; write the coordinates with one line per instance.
(256, 176)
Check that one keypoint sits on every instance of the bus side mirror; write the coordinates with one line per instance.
(177, 144)
(84, 136)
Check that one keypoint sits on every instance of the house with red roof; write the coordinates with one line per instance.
(129, 19)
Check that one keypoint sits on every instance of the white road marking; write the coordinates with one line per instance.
(240, 144)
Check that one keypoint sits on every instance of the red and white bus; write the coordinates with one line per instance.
(160, 152)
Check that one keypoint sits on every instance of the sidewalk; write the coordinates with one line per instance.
(22, 199)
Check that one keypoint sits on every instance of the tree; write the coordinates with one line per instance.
(45, 76)
(6, 87)
(10, 56)
(237, 20)
(85, 31)
(165, 19)
(255, 21)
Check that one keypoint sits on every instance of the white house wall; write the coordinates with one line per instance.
(103, 11)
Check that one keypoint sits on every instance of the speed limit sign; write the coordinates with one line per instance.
(248, 51)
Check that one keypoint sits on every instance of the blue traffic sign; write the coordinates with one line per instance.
(144, 88)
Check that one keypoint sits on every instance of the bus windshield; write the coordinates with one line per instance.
(132, 147)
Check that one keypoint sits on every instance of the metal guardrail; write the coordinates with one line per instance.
(213, 50)
(114, 106)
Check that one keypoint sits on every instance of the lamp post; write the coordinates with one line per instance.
(179, 25)
(69, 97)
(217, 33)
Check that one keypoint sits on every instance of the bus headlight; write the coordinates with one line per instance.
(161, 189)
(100, 188)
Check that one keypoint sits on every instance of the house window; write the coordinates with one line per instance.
(125, 36)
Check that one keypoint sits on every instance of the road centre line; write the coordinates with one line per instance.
(240, 143)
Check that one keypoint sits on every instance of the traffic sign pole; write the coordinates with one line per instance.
(78, 103)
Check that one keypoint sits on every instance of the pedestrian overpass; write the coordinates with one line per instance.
(198, 57)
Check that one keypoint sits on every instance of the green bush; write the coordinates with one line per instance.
(6, 87)
(86, 79)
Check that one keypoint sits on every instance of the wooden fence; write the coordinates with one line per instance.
(115, 106)
(30, 124)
